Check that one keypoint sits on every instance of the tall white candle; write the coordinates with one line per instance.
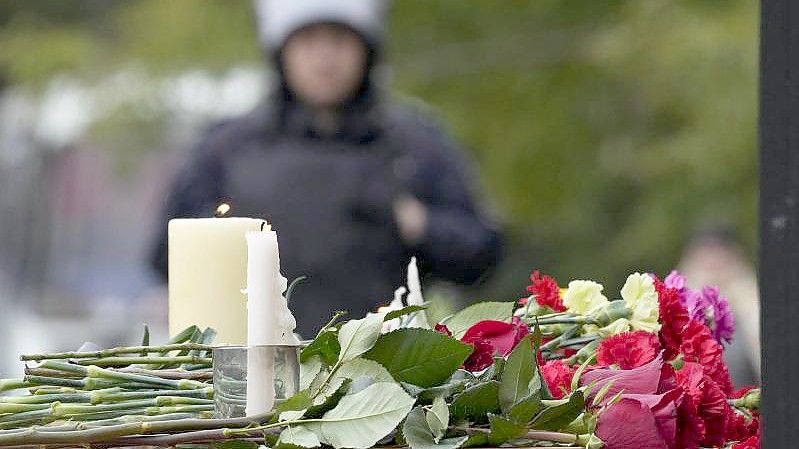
(207, 270)
(269, 320)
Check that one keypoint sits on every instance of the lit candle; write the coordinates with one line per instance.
(207, 271)
(269, 320)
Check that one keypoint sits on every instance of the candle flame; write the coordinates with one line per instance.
(222, 210)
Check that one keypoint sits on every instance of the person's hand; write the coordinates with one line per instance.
(411, 217)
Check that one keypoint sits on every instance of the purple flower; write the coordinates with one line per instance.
(676, 281)
(713, 310)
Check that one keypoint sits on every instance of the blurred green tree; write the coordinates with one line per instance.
(606, 131)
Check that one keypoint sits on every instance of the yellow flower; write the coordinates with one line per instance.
(583, 297)
(642, 299)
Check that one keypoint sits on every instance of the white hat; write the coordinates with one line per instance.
(277, 19)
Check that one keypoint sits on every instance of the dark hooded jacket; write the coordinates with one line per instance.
(330, 199)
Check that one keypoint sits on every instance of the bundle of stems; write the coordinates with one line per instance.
(110, 387)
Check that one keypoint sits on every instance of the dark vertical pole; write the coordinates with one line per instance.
(779, 220)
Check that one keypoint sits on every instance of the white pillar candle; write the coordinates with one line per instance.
(269, 320)
(207, 271)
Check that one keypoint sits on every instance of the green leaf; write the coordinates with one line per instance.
(309, 370)
(421, 357)
(477, 439)
(453, 385)
(235, 444)
(357, 368)
(418, 435)
(517, 375)
(299, 402)
(524, 411)
(403, 311)
(438, 418)
(489, 310)
(363, 372)
(358, 336)
(360, 420)
(503, 430)
(145, 339)
(325, 345)
(329, 398)
(559, 416)
(297, 437)
(476, 402)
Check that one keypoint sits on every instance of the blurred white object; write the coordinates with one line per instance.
(414, 298)
(278, 19)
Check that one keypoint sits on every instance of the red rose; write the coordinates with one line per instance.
(558, 376)
(628, 350)
(481, 358)
(491, 338)
(546, 291)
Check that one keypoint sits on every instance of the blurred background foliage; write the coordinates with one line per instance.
(606, 132)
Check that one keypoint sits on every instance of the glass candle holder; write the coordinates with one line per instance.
(230, 376)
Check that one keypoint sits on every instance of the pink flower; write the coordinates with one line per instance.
(654, 377)
(491, 338)
(640, 421)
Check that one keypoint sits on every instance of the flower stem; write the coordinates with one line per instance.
(115, 351)
(156, 360)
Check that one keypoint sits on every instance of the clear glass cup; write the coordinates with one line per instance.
(230, 376)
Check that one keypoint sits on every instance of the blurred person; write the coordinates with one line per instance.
(355, 182)
(715, 257)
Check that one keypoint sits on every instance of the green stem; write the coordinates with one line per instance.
(97, 372)
(13, 384)
(100, 396)
(82, 384)
(557, 437)
(169, 374)
(115, 351)
(155, 360)
(91, 433)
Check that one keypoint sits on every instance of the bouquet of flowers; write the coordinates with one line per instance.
(563, 367)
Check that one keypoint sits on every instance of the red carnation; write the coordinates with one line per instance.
(673, 318)
(628, 350)
(558, 376)
(749, 443)
(546, 291)
(740, 426)
(698, 345)
(704, 399)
